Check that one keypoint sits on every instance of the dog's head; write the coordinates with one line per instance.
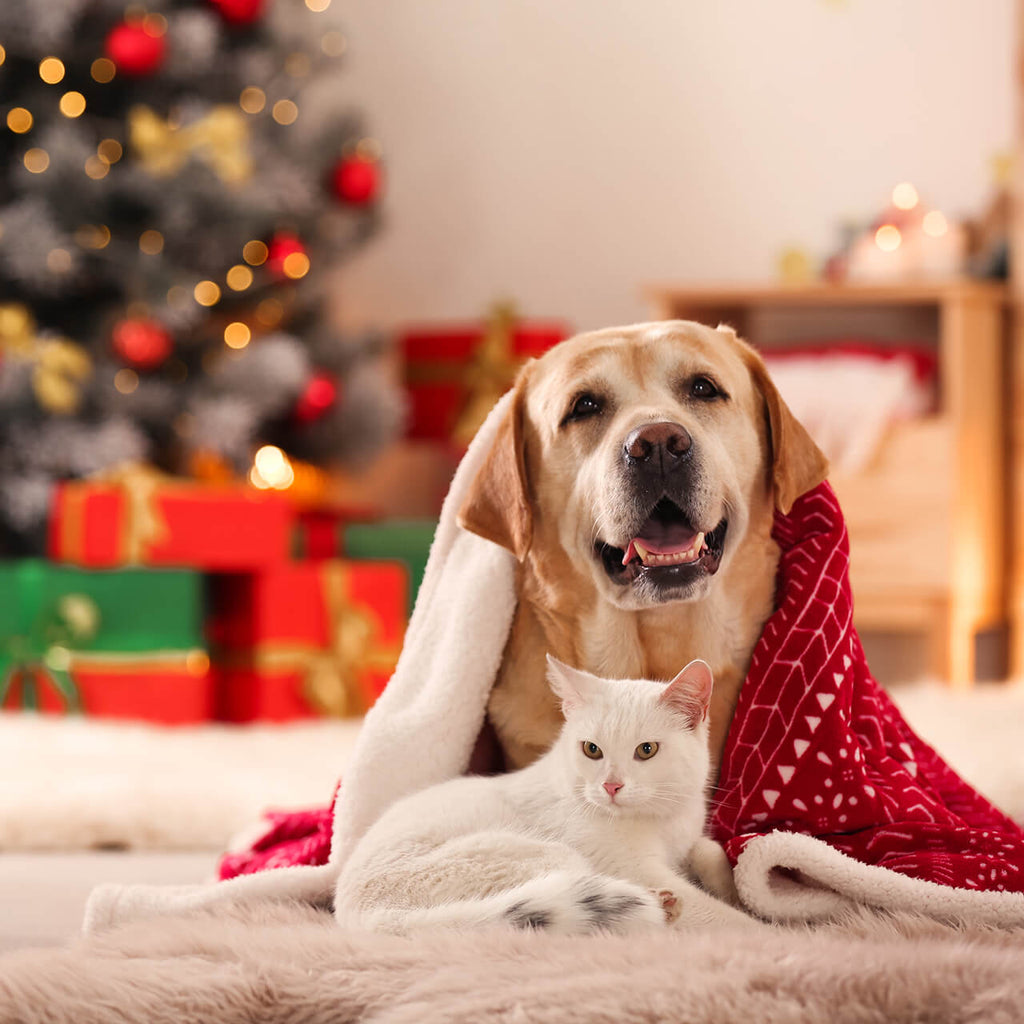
(642, 455)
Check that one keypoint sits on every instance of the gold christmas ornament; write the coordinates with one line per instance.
(220, 139)
(61, 367)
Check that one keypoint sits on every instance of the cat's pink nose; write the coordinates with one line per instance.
(612, 788)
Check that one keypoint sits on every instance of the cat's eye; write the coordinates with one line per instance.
(592, 750)
(645, 751)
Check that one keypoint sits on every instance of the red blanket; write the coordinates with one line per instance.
(815, 746)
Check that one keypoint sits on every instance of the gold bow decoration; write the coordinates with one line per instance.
(490, 372)
(141, 526)
(60, 367)
(144, 524)
(220, 138)
(331, 677)
(331, 682)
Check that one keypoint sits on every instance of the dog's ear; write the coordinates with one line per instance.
(796, 463)
(497, 506)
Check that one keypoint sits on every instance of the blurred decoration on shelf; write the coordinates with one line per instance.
(177, 181)
(989, 234)
(795, 266)
(907, 241)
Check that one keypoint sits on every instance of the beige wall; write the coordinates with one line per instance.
(565, 152)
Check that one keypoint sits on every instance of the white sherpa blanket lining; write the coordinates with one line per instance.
(424, 727)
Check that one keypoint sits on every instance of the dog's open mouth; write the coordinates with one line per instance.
(667, 551)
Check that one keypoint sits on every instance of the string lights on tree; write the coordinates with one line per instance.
(176, 183)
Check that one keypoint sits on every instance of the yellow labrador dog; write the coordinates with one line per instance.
(635, 480)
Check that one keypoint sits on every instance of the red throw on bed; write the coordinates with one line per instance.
(816, 746)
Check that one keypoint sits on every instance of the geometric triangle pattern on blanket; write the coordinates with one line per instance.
(817, 747)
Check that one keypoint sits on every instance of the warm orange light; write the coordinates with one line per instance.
(37, 160)
(285, 112)
(206, 293)
(888, 238)
(935, 224)
(72, 104)
(19, 120)
(239, 277)
(295, 265)
(237, 335)
(904, 196)
(255, 252)
(271, 469)
(51, 70)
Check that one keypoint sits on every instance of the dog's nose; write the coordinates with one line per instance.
(661, 444)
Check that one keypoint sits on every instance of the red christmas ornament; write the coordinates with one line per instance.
(320, 393)
(279, 248)
(143, 344)
(356, 180)
(136, 48)
(239, 12)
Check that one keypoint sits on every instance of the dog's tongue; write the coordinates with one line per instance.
(665, 540)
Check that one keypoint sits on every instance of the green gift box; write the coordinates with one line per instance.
(125, 643)
(403, 540)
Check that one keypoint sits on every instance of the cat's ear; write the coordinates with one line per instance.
(689, 693)
(570, 685)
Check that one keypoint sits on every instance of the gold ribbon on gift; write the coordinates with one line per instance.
(60, 367)
(220, 139)
(144, 524)
(489, 374)
(330, 675)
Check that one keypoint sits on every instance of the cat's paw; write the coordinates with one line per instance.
(669, 903)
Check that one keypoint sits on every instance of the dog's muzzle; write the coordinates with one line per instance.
(667, 552)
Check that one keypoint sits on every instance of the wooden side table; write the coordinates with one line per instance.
(927, 522)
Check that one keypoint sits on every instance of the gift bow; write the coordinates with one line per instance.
(44, 652)
(220, 138)
(331, 681)
(489, 373)
(330, 675)
(144, 525)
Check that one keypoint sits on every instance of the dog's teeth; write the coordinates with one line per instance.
(641, 552)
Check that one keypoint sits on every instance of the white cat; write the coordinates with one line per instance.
(588, 837)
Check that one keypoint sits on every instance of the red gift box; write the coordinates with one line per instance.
(169, 688)
(307, 638)
(143, 518)
(455, 375)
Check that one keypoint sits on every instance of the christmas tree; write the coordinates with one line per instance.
(176, 182)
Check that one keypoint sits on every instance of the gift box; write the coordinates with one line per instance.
(307, 638)
(404, 540)
(144, 518)
(115, 644)
(454, 375)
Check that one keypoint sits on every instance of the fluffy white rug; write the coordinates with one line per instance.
(283, 963)
(72, 784)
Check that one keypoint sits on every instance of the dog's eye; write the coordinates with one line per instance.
(583, 407)
(592, 750)
(645, 751)
(704, 388)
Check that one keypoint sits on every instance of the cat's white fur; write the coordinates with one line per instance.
(557, 845)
